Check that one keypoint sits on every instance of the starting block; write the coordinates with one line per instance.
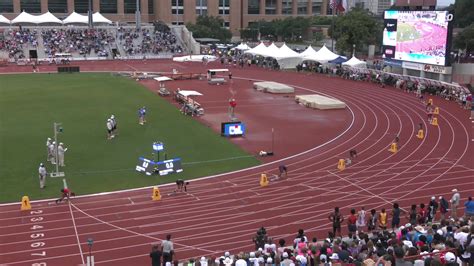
(264, 180)
(25, 203)
(434, 122)
(156, 194)
(421, 134)
(436, 111)
(430, 101)
(393, 148)
(341, 165)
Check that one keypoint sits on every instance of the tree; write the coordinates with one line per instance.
(463, 13)
(209, 27)
(465, 39)
(358, 27)
(321, 20)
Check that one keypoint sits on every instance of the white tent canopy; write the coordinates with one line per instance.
(354, 62)
(324, 55)
(272, 51)
(308, 52)
(24, 18)
(243, 47)
(98, 18)
(47, 18)
(257, 50)
(75, 18)
(4, 20)
(286, 51)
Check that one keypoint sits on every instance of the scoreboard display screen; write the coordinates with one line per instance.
(417, 36)
(150, 167)
(233, 129)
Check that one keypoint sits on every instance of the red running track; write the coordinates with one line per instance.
(222, 213)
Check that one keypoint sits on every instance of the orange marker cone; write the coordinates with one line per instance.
(264, 180)
(420, 134)
(341, 165)
(156, 194)
(434, 122)
(393, 147)
(25, 203)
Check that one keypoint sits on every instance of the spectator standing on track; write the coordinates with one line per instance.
(443, 207)
(422, 214)
(383, 220)
(469, 208)
(361, 222)
(42, 175)
(167, 250)
(432, 207)
(455, 203)
(155, 255)
(351, 223)
(396, 211)
(336, 218)
(372, 221)
(412, 215)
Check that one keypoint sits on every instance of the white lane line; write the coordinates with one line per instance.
(75, 230)
(131, 201)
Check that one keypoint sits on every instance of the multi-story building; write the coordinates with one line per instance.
(377, 7)
(416, 4)
(237, 14)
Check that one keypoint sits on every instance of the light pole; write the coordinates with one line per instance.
(138, 17)
(177, 12)
(89, 15)
(57, 129)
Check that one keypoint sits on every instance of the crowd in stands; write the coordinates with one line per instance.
(81, 41)
(434, 235)
(16, 40)
(147, 41)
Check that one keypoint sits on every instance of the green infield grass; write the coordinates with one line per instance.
(407, 32)
(31, 103)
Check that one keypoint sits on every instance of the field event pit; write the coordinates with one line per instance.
(272, 87)
(317, 101)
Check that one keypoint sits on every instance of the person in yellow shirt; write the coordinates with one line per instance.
(383, 220)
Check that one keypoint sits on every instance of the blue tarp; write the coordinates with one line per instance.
(338, 60)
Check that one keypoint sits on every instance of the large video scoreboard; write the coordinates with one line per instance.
(417, 36)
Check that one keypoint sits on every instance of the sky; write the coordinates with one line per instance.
(445, 2)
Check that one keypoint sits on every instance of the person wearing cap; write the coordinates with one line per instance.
(286, 261)
(42, 175)
(52, 151)
(48, 152)
(61, 151)
(110, 128)
(114, 123)
(203, 261)
(432, 207)
(155, 255)
(455, 203)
